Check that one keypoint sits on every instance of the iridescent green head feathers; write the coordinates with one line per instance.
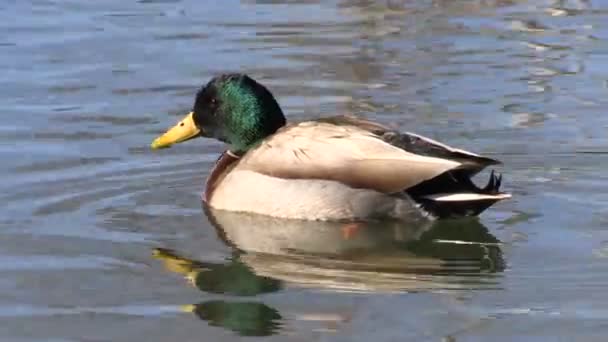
(237, 110)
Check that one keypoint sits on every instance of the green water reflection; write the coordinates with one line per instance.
(384, 257)
(244, 318)
(234, 277)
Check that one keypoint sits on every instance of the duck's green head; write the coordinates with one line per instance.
(232, 108)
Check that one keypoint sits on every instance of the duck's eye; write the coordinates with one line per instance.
(181, 124)
(213, 101)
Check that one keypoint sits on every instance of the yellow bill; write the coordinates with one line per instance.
(184, 130)
(188, 308)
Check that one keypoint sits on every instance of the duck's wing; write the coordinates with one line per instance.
(421, 145)
(418, 144)
(348, 150)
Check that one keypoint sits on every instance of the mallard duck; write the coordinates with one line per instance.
(336, 168)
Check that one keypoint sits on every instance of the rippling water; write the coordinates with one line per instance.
(104, 240)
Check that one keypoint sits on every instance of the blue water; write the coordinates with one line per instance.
(104, 240)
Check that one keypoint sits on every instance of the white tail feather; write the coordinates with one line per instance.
(463, 197)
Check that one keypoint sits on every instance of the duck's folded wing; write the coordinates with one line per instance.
(344, 153)
(417, 144)
(421, 145)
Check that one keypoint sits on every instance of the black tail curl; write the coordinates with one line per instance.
(493, 186)
(454, 182)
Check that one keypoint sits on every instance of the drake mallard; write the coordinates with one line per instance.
(336, 168)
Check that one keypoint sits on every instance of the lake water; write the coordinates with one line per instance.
(102, 239)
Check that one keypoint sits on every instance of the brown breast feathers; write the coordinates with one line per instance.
(223, 164)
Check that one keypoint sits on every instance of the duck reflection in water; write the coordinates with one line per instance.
(376, 257)
(244, 318)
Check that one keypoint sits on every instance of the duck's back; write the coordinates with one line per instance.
(347, 154)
